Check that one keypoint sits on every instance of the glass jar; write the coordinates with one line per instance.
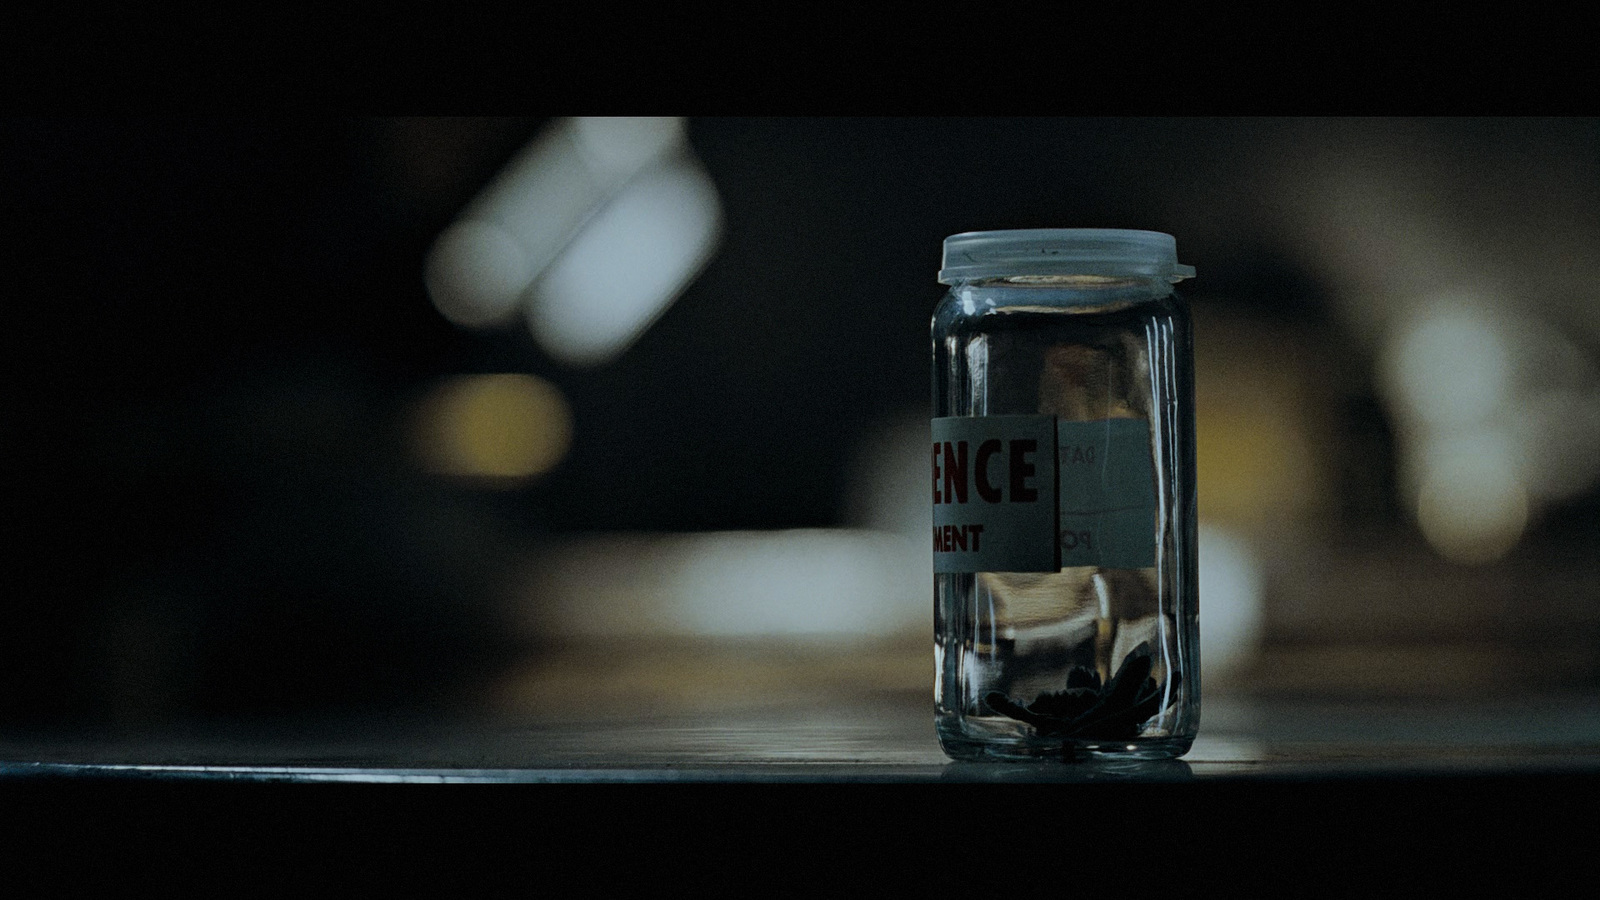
(1064, 529)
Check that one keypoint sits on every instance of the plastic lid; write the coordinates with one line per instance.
(976, 255)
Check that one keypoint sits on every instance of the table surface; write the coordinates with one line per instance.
(886, 738)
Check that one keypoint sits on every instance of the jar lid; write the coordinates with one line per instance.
(976, 255)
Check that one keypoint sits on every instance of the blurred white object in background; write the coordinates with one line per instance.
(1231, 603)
(1497, 414)
(594, 229)
(837, 584)
(868, 581)
(627, 265)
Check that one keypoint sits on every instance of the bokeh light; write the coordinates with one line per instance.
(841, 584)
(626, 266)
(500, 428)
(1451, 366)
(1472, 505)
(592, 230)
(1232, 593)
(476, 272)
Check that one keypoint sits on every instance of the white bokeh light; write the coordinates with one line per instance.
(1472, 502)
(626, 144)
(843, 584)
(1231, 602)
(1450, 367)
(629, 263)
(476, 272)
(592, 230)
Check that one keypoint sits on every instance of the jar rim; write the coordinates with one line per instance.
(978, 255)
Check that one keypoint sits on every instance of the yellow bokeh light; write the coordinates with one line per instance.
(501, 428)
(1262, 427)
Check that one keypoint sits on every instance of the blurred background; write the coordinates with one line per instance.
(573, 417)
